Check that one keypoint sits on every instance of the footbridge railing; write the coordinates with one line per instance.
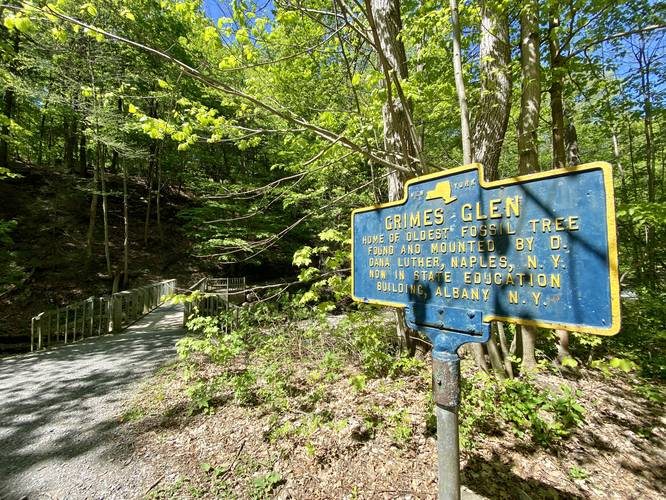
(215, 296)
(96, 315)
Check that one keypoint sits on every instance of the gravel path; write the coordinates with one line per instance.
(59, 409)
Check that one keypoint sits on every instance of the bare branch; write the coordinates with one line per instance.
(587, 46)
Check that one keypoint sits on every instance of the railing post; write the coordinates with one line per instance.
(48, 329)
(91, 301)
(106, 314)
(66, 322)
(186, 312)
(57, 330)
(32, 334)
(39, 332)
(100, 316)
(117, 312)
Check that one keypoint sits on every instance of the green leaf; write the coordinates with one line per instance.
(302, 256)
(23, 24)
(210, 33)
(242, 36)
(569, 362)
(331, 235)
(9, 22)
(626, 365)
(89, 8)
(127, 14)
(309, 296)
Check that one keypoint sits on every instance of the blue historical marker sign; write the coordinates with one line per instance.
(458, 252)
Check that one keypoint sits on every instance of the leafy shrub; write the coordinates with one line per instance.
(529, 411)
(372, 342)
(263, 485)
(219, 348)
(245, 388)
(202, 393)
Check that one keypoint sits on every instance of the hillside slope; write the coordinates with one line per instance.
(52, 209)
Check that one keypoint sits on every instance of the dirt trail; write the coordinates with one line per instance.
(59, 409)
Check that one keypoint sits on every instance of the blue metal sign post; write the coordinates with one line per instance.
(458, 252)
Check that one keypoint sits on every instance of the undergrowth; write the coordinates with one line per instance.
(282, 360)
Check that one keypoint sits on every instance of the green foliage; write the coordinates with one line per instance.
(218, 486)
(263, 485)
(576, 472)
(402, 427)
(372, 339)
(245, 388)
(522, 407)
(622, 364)
(643, 214)
(358, 382)
(202, 393)
(219, 348)
(642, 341)
(327, 282)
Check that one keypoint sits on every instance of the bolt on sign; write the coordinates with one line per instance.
(458, 252)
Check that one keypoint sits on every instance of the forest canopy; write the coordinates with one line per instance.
(279, 118)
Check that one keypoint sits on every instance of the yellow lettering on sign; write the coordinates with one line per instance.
(496, 208)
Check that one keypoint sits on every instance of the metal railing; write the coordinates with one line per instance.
(214, 297)
(225, 284)
(96, 315)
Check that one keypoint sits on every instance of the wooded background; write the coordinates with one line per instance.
(272, 121)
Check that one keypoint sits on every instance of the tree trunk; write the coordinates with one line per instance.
(618, 161)
(530, 100)
(8, 110)
(114, 153)
(70, 143)
(506, 353)
(563, 345)
(152, 162)
(644, 65)
(632, 163)
(83, 157)
(528, 128)
(101, 155)
(126, 229)
(8, 106)
(571, 140)
(93, 217)
(493, 116)
(42, 132)
(495, 102)
(151, 168)
(528, 337)
(157, 202)
(460, 84)
(385, 21)
(496, 358)
(556, 100)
